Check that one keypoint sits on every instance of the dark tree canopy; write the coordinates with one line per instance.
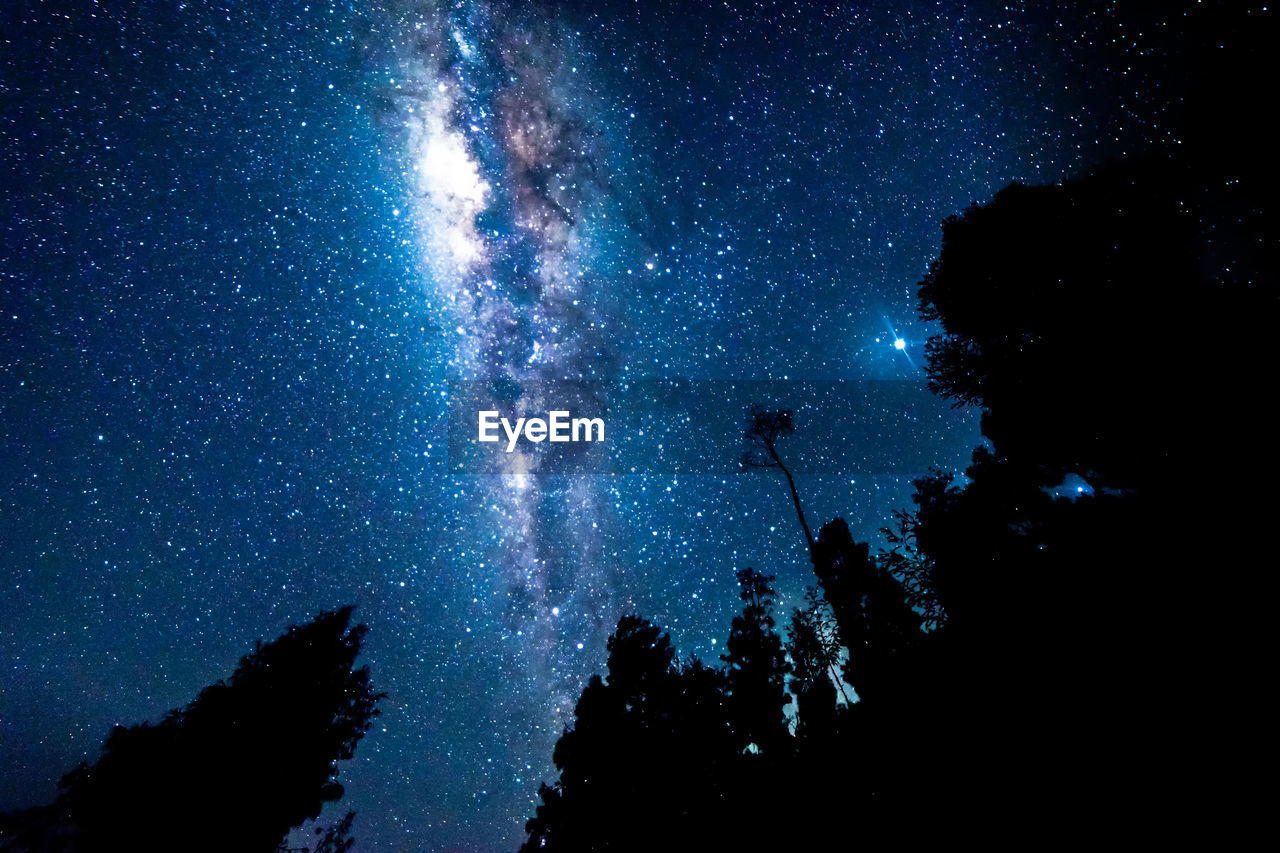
(1116, 327)
(250, 758)
(756, 668)
(645, 759)
(764, 428)
(1079, 316)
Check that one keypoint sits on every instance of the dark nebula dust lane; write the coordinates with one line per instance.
(247, 251)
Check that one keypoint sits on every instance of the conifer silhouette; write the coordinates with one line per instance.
(250, 758)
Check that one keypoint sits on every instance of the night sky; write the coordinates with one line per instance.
(246, 248)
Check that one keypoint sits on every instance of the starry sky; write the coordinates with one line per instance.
(248, 250)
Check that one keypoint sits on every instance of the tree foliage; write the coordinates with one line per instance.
(756, 668)
(253, 756)
(644, 761)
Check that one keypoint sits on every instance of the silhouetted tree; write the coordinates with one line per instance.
(814, 652)
(756, 668)
(874, 621)
(913, 568)
(764, 428)
(1074, 315)
(250, 758)
(646, 760)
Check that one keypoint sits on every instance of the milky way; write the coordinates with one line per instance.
(511, 204)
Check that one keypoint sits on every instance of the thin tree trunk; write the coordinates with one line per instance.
(795, 498)
(839, 683)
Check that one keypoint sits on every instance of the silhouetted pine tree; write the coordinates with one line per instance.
(756, 669)
(250, 758)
